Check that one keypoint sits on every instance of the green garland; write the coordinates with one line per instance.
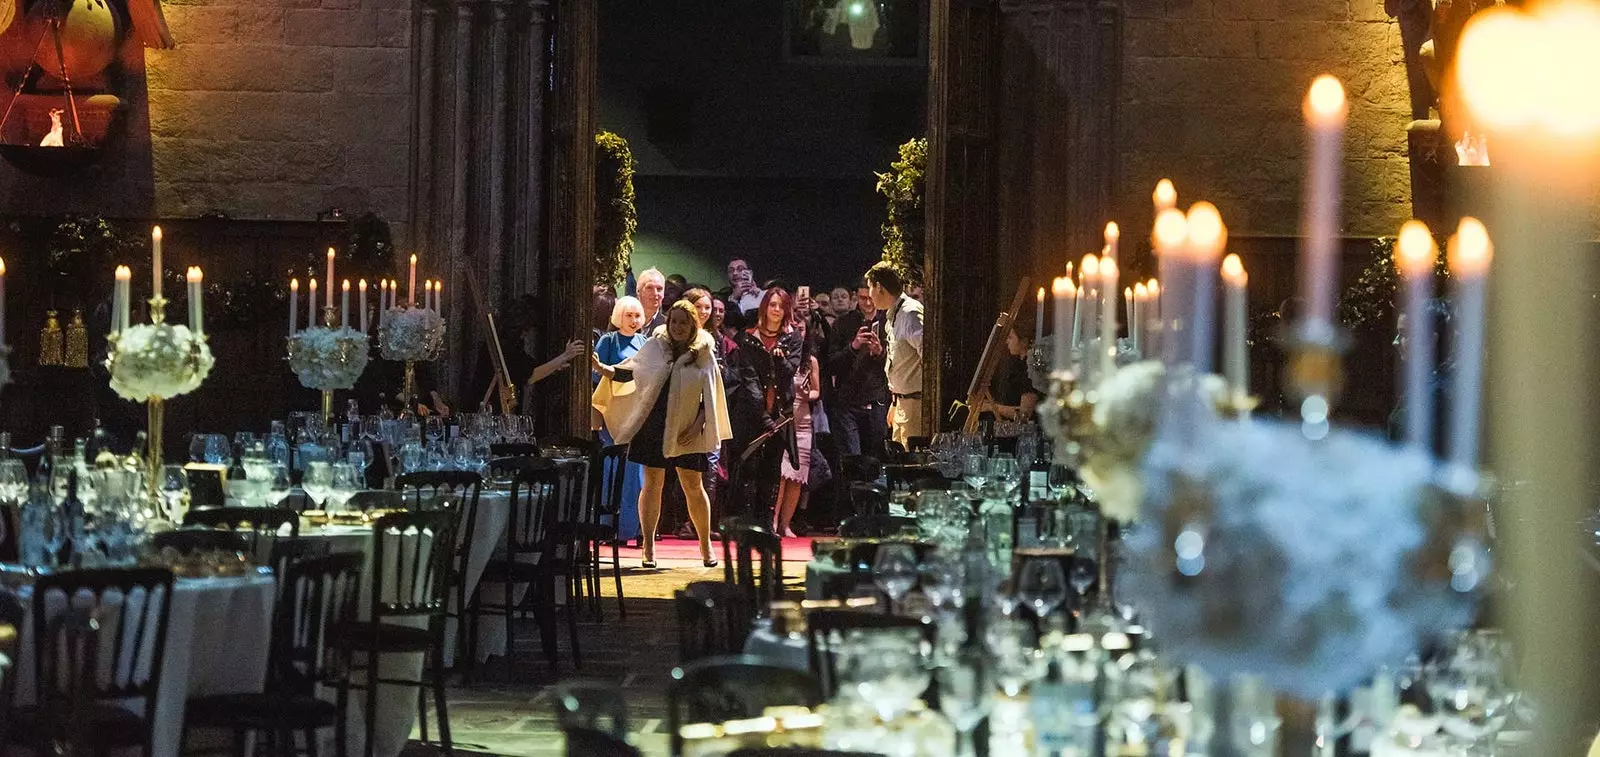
(615, 216)
(1369, 301)
(903, 229)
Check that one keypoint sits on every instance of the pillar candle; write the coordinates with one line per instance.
(311, 304)
(1108, 315)
(1208, 236)
(411, 287)
(1065, 295)
(362, 292)
(1325, 110)
(1038, 317)
(1170, 237)
(1469, 254)
(155, 262)
(344, 304)
(195, 278)
(1235, 306)
(294, 305)
(1414, 257)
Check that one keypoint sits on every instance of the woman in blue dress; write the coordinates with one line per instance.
(613, 347)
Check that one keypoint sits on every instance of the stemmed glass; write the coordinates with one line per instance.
(1083, 577)
(1469, 690)
(279, 485)
(197, 447)
(894, 570)
(964, 697)
(435, 428)
(1003, 470)
(317, 480)
(217, 451)
(1043, 585)
(174, 492)
(976, 471)
(944, 581)
(346, 482)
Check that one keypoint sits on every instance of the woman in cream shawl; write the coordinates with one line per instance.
(667, 403)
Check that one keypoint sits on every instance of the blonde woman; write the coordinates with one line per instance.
(667, 403)
(627, 317)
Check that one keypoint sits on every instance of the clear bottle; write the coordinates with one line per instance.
(278, 445)
(36, 526)
(998, 520)
(104, 457)
(1050, 708)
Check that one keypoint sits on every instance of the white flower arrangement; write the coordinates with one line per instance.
(326, 359)
(158, 360)
(411, 335)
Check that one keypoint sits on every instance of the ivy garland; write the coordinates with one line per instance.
(1369, 302)
(616, 217)
(903, 229)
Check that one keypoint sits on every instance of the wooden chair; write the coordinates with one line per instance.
(752, 559)
(259, 525)
(607, 472)
(719, 689)
(713, 619)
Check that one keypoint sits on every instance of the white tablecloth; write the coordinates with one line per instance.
(218, 634)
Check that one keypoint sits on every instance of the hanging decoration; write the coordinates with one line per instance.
(77, 351)
(902, 230)
(50, 340)
(615, 216)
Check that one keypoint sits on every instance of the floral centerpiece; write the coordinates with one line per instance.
(326, 359)
(411, 335)
(158, 360)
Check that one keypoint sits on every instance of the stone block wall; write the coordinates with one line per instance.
(266, 109)
(1211, 98)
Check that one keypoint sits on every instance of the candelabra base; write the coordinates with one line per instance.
(408, 391)
(155, 408)
(327, 408)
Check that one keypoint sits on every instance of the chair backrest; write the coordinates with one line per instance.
(795, 751)
(876, 526)
(752, 558)
(822, 625)
(594, 706)
(374, 499)
(452, 490)
(869, 498)
(263, 524)
(901, 476)
(535, 500)
(100, 636)
(411, 564)
(713, 619)
(719, 689)
(187, 541)
(613, 466)
(317, 595)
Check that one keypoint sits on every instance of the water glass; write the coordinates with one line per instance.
(975, 471)
(894, 570)
(1043, 586)
(346, 482)
(217, 451)
(1469, 689)
(944, 580)
(317, 481)
(279, 484)
(888, 669)
(1003, 470)
(197, 448)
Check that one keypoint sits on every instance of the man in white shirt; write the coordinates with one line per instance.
(903, 367)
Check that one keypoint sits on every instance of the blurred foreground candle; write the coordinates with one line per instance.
(1469, 254)
(1038, 318)
(1113, 235)
(1325, 110)
(311, 303)
(411, 287)
(361, 288)
(1129, 318)
(1414, 257)
(1235, 347)
(195, 278)
(1165, 197)
(1171, 234)
(1066, 296)
(1089, 291)
(1152, 337)
(1208, 236)
(1108, 315)
(155, 261)
(294, 305)
(344, 305)
(330, 278)
(1136, 321)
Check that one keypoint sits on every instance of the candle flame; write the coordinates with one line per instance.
(330, 253)
(2, 266)
(1154, 289)
(194, 275)
(362, 285)
(1140, 291)
(1113, 233)
(1470, 249)
(1325, 102)
(1171, 229)
(1127, 293)
(155, 233)
(1415, 251)
(346, 286)
(1207, 234)
(1504, 64)
(1166, 195)
(1062, 286)
(1039, 297)
(413, 258)
(1233, 270)
(1090, 267)
(294, 284)
(313, 282)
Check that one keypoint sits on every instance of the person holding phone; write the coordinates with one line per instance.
(860, 402)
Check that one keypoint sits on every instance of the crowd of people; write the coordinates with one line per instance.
(751, 390)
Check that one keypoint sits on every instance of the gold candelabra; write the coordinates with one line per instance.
(155, 406)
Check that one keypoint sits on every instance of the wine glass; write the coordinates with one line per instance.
(1083, 577)
(944, 581)
(174, 492)
(1468, 687)
(279, 485)
(964, 697)
(217, 451)
(1003, 470)
(1043, 585)
(435, 428)
(895, 571)
(197, 447)
(346, 482)
(976, 471)
(317, 480)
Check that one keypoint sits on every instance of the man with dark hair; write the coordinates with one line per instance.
(903, 350)
(744, 296)
(861, 391)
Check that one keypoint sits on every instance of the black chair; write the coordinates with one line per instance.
(583, 742)
(719, 689)
(539, 550)
(746, 550)
(514, 449)
(876, 526)
(188, 541)
(456, 491)
(318, 594)
(606, 503)
(374, 499)
(419, 544)
(823, 624)
(261, 524)
(80, 706)
(869, 498)
(713, 619)
(901, 477)
(860, 468)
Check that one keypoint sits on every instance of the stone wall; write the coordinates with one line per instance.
(1211, 98)
(266, 109)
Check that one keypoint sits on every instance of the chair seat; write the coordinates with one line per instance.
(383, 638)
(263, 711)
(105, 726)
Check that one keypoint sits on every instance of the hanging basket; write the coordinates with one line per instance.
(49, 162)
(30, 122)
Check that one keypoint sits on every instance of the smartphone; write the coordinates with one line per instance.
(803, 293)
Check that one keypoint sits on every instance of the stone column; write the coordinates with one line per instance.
(570, 272)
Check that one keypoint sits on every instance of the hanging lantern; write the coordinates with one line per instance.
(61, 110)
(50, 340)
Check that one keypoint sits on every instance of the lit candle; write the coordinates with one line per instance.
(362, 292)
(1208, 236)
(1088, 288)
(383, 296)
(1151, 339)
(1113, 235)
(1129, 318)
(155, 262)
(1469, 254)
(1065, 295)
(344, 304)
(1136, 322)
(311, 304)
(1325, 111)
(1170, 237)
(438, 296)
(427, 294)
(1038, 317)
(1414, 257)
(1235, 348)
(411, 287)
(2, 302)
(330, 278)
(1077, 312)
(294, 305)
(124, 298)
(1108, 315)
(1165, 197)
(195, 277)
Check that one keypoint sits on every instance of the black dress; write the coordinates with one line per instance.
(646, 447)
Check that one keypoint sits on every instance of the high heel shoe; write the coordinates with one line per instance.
(648, 563)
(710, 562)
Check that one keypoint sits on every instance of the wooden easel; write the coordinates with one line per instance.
(993, 350)
(503, 384)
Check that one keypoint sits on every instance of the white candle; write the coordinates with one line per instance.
(383, 296)
(1038, 317)
(1170, 237)
(411, 287)
(1414, 257)
(122, 297)
(1113, 236)
(294, 305)
(344, 304)
(155, 262)
(1469, 254)
(427, 294)
(311, 304)
(1136, 322)
(1235, 347)
(1064, 293)
(1325, 111)
(438, 296)
(195, 277)
(1108, 315)
(1208, 236)
(2, 302)
(1152, 318)
(1089, 326)
(1077, 313)
(362, 292)
(330, 278)
(1128, 317)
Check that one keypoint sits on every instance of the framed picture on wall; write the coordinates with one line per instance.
(856, 31)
